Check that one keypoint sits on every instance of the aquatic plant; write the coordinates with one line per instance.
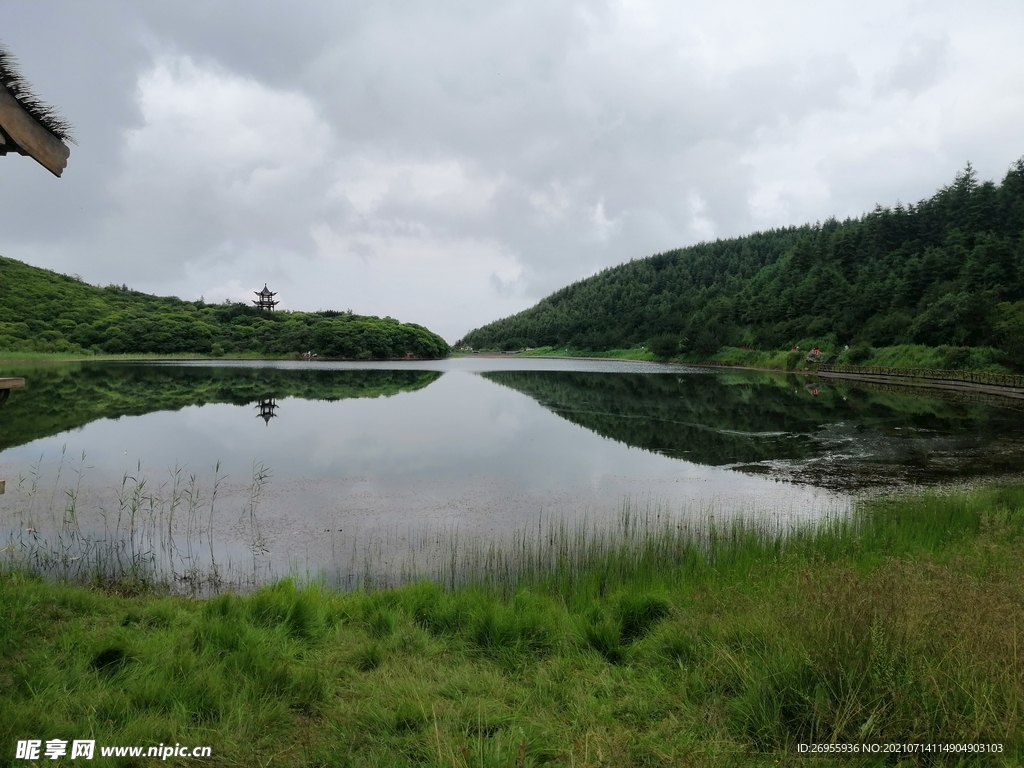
(152, 537)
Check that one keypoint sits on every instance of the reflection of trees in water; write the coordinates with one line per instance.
(740, 419)
(690, 417)
(59, 398)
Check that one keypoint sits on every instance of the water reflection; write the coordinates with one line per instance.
(358, 459)
(837, 436)
(65, 397)
(267, 408)
(843, 436)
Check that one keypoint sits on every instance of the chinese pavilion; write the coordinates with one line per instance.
(265, 299)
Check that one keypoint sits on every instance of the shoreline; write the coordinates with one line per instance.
(996, 391)
(920, 382)
(565, 647)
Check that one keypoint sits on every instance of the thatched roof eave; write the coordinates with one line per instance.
(27, 125)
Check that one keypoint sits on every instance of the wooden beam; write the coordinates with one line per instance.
(41, 145)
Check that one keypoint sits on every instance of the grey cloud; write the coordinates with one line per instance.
(452, 162)
(922, 62)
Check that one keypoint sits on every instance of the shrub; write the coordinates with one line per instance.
(858, 353)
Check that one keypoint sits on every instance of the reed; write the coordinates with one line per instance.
(162, 536)
(148, 538)
(578, 560)
(644, 642)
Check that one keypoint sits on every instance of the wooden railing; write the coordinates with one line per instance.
(933, 374)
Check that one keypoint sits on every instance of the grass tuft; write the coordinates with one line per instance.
(637, 614)
(368, 657)
(110, 660)
(381, 623)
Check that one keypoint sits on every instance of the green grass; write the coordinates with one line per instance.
(634, 353)
(901, 356)
(751, 358)
(918, 356)
(645, 644)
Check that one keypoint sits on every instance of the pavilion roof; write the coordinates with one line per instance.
(28, 126)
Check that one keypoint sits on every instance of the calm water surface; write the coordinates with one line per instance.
(376, 457)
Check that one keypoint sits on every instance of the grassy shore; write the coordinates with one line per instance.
(901, 356)
(633, 353)
(8, 356)
(654, 645)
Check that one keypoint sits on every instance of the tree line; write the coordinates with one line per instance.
(946, 271)
(43, 311)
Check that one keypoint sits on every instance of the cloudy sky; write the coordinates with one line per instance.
(449, 163)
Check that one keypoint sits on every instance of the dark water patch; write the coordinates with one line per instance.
(62, 397)
(843, 437)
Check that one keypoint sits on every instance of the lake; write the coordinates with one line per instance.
(332, 468)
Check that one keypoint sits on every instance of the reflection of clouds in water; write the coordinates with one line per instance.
(313, 524)
(489, 455)
(461, 454)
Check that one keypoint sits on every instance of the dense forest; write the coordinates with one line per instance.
(65, 397)
(42, 311)
(947, 271)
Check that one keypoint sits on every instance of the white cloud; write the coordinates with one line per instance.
(552, 202)
(446, 186)
(220, 167)
(701, 226)
(439, 278)
(603, 226)
(453, 163)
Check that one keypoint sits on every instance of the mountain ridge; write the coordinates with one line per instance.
(946, 271)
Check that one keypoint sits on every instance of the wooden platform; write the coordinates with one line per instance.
(998, 390)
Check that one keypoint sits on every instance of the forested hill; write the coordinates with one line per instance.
(947, 271)
(42, 311)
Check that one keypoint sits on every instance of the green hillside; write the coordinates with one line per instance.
(947, 271)
(42, 311)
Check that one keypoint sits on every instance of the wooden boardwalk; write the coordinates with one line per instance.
(997, 385)
(989, 378)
